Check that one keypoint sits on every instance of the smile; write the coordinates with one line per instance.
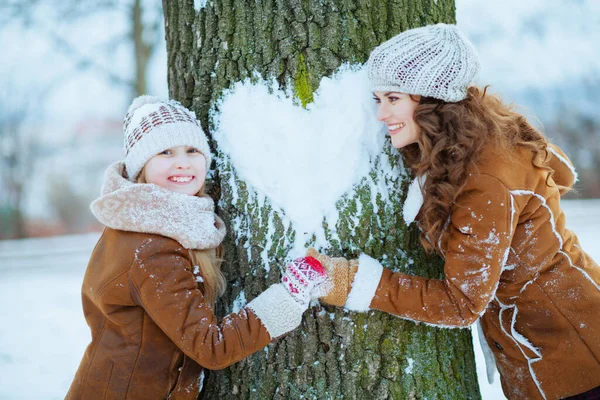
(396, 126)
(181, 179)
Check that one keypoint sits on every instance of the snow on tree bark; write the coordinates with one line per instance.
(334, 354)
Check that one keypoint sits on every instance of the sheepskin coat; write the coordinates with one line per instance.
(152, 330)
(511, 263)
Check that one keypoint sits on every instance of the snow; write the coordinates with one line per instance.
(199, 4)
(44, 334)
(564, 161)
(239, 302)
(289, 154)
(409, 368)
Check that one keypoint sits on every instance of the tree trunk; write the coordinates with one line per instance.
(142, 48)
(334, 354)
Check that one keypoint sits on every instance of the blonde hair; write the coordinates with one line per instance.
(209, 261)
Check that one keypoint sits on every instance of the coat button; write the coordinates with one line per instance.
(498, 346)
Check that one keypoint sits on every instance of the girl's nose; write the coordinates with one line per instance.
(182, 162)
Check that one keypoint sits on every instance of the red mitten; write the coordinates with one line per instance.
(305, 279)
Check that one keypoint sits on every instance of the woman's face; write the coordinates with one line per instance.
(181, 169)
(396, 110)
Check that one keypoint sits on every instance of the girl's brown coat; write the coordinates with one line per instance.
(152, 330)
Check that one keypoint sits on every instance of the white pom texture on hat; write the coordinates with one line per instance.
(141, 100)
(152, 125)
(433, 61)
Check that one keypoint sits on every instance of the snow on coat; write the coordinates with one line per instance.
(510, 263)
(152, 330)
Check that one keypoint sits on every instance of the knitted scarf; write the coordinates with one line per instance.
(148, 208)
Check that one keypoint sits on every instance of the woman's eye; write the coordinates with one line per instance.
(165, 152)
(193, 150)
(377, 100)
(393, 99)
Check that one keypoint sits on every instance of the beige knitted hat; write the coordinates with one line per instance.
(152, 125)
(433, 61)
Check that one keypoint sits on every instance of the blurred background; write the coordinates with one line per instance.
(70, 68)
(68, 72)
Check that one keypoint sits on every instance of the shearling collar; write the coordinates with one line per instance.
(414, 199)
(149, 208)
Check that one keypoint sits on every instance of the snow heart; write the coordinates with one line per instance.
(303, 160)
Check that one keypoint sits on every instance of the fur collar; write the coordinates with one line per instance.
(148, 208)
(414, 199)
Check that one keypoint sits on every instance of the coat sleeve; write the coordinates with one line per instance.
(564, 171)
(478, 240)
(162, 284)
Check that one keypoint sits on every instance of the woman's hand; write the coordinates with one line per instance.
(341, 275)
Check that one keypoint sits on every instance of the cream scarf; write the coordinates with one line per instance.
(148, 208)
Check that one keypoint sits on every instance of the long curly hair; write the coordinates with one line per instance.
(453, 136)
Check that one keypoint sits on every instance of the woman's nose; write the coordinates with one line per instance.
(382, 112)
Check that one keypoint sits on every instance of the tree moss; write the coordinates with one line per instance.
(302, 88)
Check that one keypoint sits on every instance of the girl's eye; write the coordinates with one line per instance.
(393, 99)
(193, 150)
(377, 100)
(165, 152)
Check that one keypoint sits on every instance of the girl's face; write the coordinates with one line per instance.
(396, 110)
(181, 169)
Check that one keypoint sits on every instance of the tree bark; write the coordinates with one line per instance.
(334, 354)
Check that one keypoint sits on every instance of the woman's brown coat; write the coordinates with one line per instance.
(511, 263)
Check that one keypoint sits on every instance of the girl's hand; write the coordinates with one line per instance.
(305, 279)
(341, 275)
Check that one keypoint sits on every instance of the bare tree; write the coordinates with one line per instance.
(16, 150)
(143, 34)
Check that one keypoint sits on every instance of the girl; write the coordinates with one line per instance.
(154, 275)
(491, 185)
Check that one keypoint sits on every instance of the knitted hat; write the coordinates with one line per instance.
(152, 125)
(433, 61)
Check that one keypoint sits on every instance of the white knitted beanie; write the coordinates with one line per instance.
(433, 61)
(152, 125)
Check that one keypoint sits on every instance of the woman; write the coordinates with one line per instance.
(491, 189)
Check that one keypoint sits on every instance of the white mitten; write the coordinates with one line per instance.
(305, 279)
